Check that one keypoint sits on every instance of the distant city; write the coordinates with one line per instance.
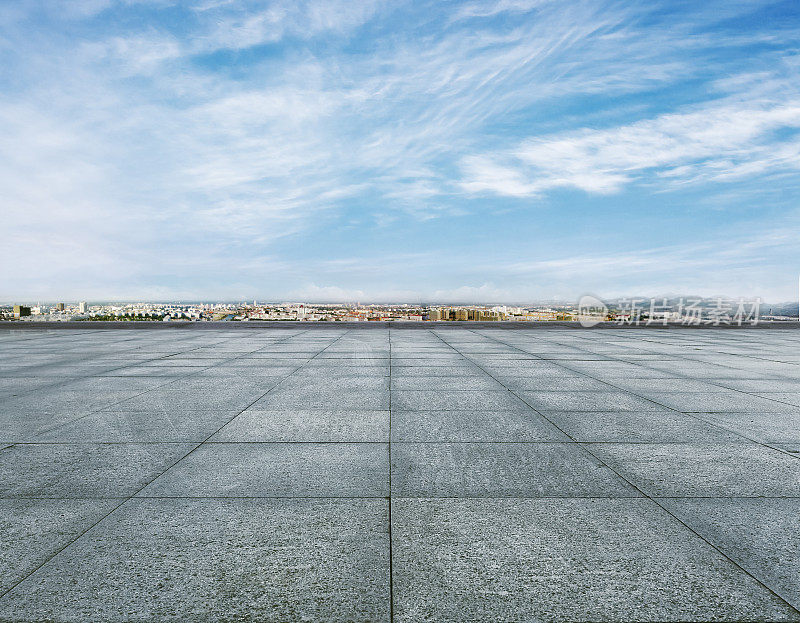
(619, 310)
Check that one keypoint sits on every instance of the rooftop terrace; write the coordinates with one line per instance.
(460, 473)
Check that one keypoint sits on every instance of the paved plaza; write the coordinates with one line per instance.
(463, 473)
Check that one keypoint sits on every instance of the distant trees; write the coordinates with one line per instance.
(132, 317)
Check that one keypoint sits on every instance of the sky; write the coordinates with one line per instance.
(480, 151)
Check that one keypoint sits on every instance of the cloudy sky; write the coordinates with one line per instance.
(511, 150)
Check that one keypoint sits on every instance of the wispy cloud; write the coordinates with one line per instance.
(717, 142)
(209, 133)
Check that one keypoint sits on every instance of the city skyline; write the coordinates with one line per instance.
(589, 311)
(456, 152)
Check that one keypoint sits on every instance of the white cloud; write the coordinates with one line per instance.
(333, 294)
(138, 144)
(232, 28)
(732, 261)
(133, 55)
(719, 141)
(485, 293)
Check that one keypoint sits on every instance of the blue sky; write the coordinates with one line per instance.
(499, 150)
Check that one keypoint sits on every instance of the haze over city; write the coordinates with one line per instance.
(354, 151)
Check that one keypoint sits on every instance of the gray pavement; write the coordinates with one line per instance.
(451, 473)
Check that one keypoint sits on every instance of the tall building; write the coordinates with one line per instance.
(82, 307)
(59, 306)
(21, 310)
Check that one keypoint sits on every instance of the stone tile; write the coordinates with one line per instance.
(519, 425)
(257, 375)
(587, 401)
(345, 372)
(16, 386)
(187, 425)
(768, 427)
(442, 361)
(33, 530)
(417, 400)
(716, 401)
(242, 384)
(83, 470)
(608, 370)
(500, 470)
(191, 364)
(369, 394)
(415, 349)
(297, 357)
(426, 358)
(474, 551)
(790, 398)
(322, 382)
(453, 371)
(637, 426)
(681, 385)
(19, 427)
(687, 470)
(99, 384)
(278, 470)
(351, 364)
(214, 560)
(307, 425)
(554, 383)
(534, 370)
(356, 354)
(445, 383)
(190, 400)
(154, 371)
(701, 369)
(563, 560)
(61, 401)
(758, 534)
(761, 385)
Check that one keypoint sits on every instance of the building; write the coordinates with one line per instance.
(82, 307)
(464, 313)
(21, 310)
(59, 306)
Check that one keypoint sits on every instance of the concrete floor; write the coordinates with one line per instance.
(452, 474)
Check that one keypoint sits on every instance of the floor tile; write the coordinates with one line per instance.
(33, 530)
(563, 560)
(519, 425)
(687, 470)
(500, 470)
(278, 469)
(759, 534)
(637, 426)
(307, 425)
(153, 426)
(587, 401)
(83, 470)
(414, 400)
(768, 426)
(214, 560)
(716, 401)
